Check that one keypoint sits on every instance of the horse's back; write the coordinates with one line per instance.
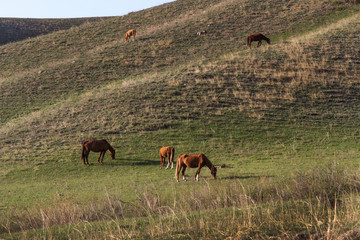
(131, 32)
(96, 145)
(166, 151)
(258, 37)
(192, 160)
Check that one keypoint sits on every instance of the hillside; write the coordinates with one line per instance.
(268, 112)
(44, 74)
(17, 29)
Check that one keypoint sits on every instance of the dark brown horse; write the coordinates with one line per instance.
(96, 146)
(257, 37)
(130, 33)
(167, 152)
(193, 161)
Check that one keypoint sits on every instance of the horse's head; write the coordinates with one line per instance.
(112, 154)
(213, 171)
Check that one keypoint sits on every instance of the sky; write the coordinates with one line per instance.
(73, 8)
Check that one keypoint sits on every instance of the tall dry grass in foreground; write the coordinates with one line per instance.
(321, 204)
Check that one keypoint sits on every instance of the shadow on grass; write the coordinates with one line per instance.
(191, 176)
(246, 177)
(130, 162)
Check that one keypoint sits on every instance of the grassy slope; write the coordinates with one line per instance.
(265, 113)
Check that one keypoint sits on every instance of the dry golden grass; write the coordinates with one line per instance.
(282, 209)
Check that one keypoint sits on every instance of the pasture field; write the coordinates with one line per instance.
(283, 118)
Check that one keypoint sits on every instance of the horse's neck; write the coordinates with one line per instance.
(209, 164)
(110, 148)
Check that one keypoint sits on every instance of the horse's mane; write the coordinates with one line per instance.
(111, 149)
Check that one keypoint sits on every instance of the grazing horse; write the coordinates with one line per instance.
(167, 152)
(202, 33)
(130, 33)
(96, 146)
(257, 37)
(193, 161)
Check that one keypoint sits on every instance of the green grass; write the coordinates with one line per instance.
(262, 149)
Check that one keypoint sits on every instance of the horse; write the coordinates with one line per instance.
(96, 146)
(202, 33)
(193, 161)
(257, 37)
(130, 33)
(167, 152)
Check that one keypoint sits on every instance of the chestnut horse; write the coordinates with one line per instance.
(130, 33)
(257, 37)
(193, 161)
(167, 152)
(96, 146)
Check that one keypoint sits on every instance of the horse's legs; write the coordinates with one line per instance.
(86, 158)
(197, 173)
(99, 157)
(102, 158)
(162, 162)
(183, 172)
(168, 163)
(259, 44)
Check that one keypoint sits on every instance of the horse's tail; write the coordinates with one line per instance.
(83, 152)
(172, 154)
(177, 166)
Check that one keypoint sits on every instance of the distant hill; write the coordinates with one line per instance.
(16, 29)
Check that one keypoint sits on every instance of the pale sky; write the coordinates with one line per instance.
(73, 8)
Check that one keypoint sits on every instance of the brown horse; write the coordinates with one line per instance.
(96, 146)
(193, 161)
(257, 37)
(167, 152)
(130, 33)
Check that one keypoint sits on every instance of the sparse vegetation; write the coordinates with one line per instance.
(283, 118)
